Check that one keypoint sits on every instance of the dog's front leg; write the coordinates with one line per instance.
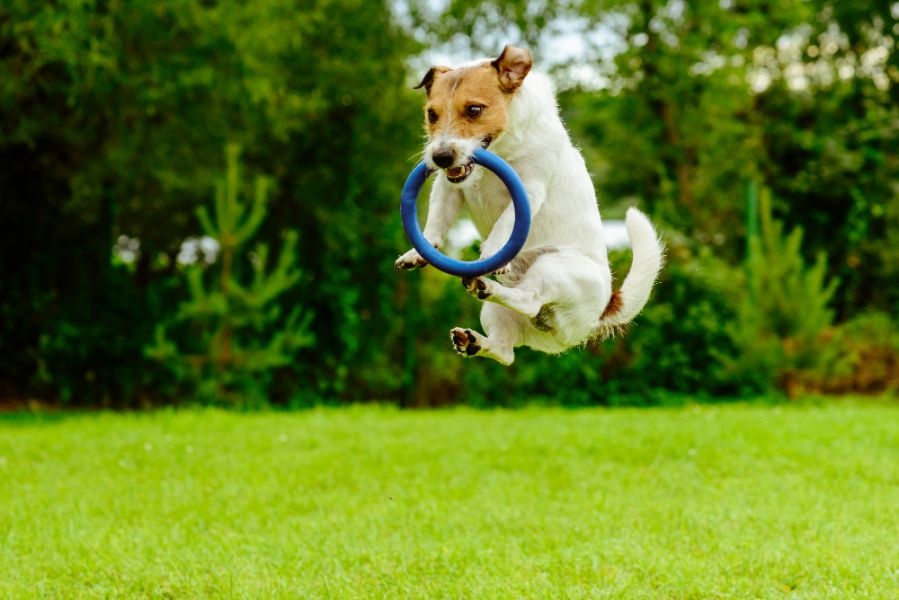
(443, 208)
(502, 229)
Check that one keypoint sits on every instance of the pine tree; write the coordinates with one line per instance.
(232, 332)
(784, 313)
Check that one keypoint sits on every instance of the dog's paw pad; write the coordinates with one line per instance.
(465, 341)
(410, 260)
(477, 287)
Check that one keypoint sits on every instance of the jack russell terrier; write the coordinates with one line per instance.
(557, 293)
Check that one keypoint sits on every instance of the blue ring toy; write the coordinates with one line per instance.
(463, 268)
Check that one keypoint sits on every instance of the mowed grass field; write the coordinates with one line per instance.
(701, 502)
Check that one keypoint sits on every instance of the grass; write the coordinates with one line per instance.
(735, 501)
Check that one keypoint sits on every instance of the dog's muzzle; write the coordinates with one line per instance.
(460, 173)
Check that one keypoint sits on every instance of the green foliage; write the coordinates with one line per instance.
(868, 347)
(829, 155)
(101, 363)
(686, 94)
(784, 311)
(113, 115)
(678, 342)
(238, 336)
(705, 95)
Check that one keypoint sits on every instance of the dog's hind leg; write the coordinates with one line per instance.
(521, 299)
(503, 334)
(561, 293)
(469, 343)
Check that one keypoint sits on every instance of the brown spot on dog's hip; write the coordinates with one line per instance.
(616, 302)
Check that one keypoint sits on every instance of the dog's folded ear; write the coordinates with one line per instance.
(512, 67)
(428, 80)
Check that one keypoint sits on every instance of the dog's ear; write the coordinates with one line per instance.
(512, 67)
(428, 80)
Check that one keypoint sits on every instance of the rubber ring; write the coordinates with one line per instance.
(474, 268)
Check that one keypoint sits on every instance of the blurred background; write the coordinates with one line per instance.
(199, 200)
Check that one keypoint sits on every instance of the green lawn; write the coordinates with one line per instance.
(730, 501)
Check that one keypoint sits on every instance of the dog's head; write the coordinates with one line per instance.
(468, 108)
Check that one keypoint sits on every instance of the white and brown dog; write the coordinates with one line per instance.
(557, 293)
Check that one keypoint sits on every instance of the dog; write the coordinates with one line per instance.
(557, 293)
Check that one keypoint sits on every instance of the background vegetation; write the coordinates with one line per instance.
(732, 123)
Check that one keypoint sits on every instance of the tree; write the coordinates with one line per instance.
(784, 311)
(234, 335)
(112, 118)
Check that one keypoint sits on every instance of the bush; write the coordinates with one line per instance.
(867, 348)
(783, 312)
(680, 342)
(232, 333)
(86, 360)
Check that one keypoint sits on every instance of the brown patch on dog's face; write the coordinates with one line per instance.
(470, 104)
(474, 102)
(467, 103)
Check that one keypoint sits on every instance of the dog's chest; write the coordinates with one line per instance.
(486, 201)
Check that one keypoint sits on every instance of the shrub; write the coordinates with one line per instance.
(679, 341)
(783, 312)
(232, 333)
(867, 348)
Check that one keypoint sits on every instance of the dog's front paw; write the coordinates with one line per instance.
(477, 287)
(487, 252)
(410, 260)
(465, 341)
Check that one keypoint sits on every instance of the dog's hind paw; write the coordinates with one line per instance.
(478, 287)
(465, 341)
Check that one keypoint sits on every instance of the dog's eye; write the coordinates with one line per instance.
(432, 115)
(474, 111)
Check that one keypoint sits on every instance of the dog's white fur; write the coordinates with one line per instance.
(551, 297)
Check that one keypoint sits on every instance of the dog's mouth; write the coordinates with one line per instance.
(461, 173)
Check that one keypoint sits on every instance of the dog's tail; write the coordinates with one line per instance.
(627, 302)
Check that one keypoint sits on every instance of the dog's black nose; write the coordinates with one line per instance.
(443, 158)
